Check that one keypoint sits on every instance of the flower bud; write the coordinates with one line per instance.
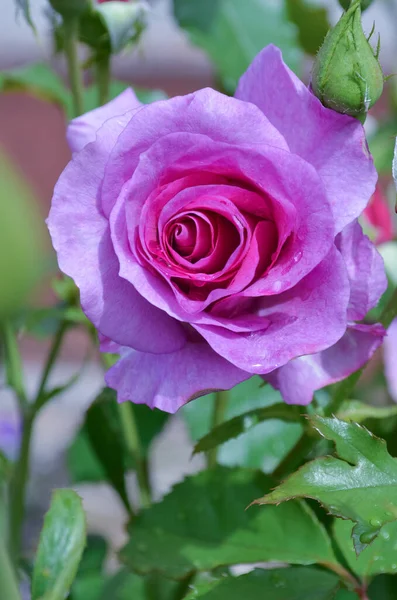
(346, 3)
(347, 76)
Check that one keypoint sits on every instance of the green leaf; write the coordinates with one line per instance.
(263, 446)
(243, 423)
(39, 80)
(89, 587)
(24, 7)
(312, 23)
(381, 145)
(383, 587)
(233, 32)
(354, 410)
(94, 555)
(379, 557)
(360, 485)
(202, 524)
(297, 583)
(83, 464)
(103, 428)
(98, 451)
(61, 546)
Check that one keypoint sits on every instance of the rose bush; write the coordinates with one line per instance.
(213, 238)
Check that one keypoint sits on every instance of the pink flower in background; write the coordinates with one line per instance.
(378, 214)
(213, 238)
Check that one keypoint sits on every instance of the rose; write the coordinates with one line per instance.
(213, 238)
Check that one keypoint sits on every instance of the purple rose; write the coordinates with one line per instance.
(213, 238)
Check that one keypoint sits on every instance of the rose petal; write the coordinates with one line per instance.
(80, 235)
(285, 178)
(304, 320)
(365, 270)
(390, 359)
(299, 379)
(175, 379)
(82, 130)
(206, 112)
(333, 143)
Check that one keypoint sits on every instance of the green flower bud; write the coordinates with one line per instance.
(347, 76)
(364, 4)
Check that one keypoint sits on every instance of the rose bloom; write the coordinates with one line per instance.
(213, 238)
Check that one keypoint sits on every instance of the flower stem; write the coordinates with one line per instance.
(133, 443)
(13, 362)
(220, 405)
(18, 487)
(71, 31)
(8, 584)
(20, 474)
(52, 356)
(102, 64)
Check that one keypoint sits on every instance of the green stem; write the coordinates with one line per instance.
(18, 487)
(21, 469)
(52, 356)
(133, 443)
(71, 38)
(220, 405)
(8, 584)
(13, 363)
(102, 64)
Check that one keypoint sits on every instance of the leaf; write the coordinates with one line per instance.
(39, 80)
(379, 557)
(360, 485)
(354, 410)
(61, 546)
(98, 451)
(89, 587)
(24, 7)
(381, 145)
(263, 446)
(297, 583)
(233, 32)
(202, 524)
(83, 464)
(94, 555)
(243, 423)
(383, 587)
(103, 428)
(312, 23)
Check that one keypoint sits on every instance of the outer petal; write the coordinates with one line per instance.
(335, 144)
(170, 381)
(300, 378)
(80, 235)
(365, 270)
(82, 130)
(206, 112)
(390, 359)
(306, 319)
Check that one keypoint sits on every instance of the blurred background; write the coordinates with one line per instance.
(176, 55)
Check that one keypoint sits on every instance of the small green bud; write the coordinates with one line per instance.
(347, 76)
(364, 4)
